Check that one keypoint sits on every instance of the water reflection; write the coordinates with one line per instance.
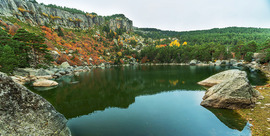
(164, 114)
(230, 118)
(119, 87)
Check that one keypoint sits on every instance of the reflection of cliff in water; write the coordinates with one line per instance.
(118, 87)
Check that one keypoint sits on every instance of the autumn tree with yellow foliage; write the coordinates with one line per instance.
(175, 43)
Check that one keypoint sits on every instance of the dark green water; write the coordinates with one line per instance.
(144, 101)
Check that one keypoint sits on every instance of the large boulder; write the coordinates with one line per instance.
(233, 61)
(193, 62)
(26, 113)
(55, 54)
(233, 91)
(222, 76)
(21, 72)
(31, 71)
(64, 65)
(42, 72)
(44, 83)
(221, 62)
(259, 56)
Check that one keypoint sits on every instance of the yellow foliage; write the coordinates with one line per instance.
(55, 17)
(44, 14)
(21, 9)
(174, 43)
(173, 82)
(90, 15)
(78, 20)
(185, 43)
(70, 19)
(119, 54)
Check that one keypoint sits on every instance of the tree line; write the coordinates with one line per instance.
(22, 50)
(204, 52)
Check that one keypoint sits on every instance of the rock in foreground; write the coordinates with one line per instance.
(23, 112)
(222, 76)
(44, 83)
(231, 93)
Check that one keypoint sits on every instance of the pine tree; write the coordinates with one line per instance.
(60, 32)
(8, 59)
(23, 37)
(33, 45)
(5, 39)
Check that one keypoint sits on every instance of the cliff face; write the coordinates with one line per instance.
(38, 14)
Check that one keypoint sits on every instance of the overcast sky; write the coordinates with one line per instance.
(180, 15)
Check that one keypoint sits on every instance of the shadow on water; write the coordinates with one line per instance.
(118, 87)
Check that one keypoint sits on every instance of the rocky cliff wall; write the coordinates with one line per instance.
(39, 14)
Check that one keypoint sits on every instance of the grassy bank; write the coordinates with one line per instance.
(259, 114)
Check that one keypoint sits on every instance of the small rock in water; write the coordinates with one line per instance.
(258, 103)
(262, 107)
(268, 119)
(252, 109)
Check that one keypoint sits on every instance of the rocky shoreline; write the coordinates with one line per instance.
(45, 77)
(259, 115)
(35, 75)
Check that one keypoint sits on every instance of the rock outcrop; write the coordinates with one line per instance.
(64, 65)
(39, 14)
(193, 62)
(222, 76)
(232, 91)
(44, 83)
(23, 112)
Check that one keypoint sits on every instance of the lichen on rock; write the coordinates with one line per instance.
(23, 112)
(232, 91)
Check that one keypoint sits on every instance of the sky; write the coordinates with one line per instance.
(179, 15)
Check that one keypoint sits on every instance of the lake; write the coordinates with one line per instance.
(144, 101)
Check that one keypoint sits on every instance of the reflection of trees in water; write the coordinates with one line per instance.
(118, 87)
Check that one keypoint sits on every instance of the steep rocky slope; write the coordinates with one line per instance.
(40, 14)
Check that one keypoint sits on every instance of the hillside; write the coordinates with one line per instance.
(80, 38)
(224, 36)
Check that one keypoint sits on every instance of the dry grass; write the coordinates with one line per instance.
(258, 115)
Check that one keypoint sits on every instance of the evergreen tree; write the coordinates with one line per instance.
(60, 32)
(5, 39)
(33, 45)
(8, 59)
(23, 37)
